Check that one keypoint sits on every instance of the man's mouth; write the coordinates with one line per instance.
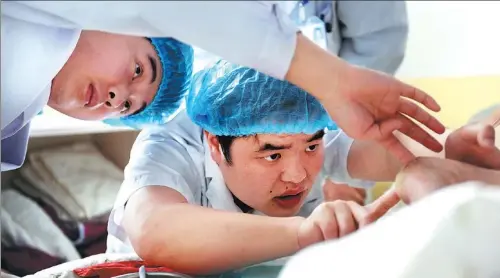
(289, 200)
(90, 97)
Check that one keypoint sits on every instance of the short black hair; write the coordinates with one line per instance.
(225, 143)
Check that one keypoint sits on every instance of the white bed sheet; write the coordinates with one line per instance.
(453, 233)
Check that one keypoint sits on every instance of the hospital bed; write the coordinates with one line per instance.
(452, 233)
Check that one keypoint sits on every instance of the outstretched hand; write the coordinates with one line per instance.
(365, 104)
(372, 105)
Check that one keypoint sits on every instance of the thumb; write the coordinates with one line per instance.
(486, 137)
(478, 134)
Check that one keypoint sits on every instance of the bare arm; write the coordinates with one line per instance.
(164, 229)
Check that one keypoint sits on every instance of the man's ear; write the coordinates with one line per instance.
(214, 147)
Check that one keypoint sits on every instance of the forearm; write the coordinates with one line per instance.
(199, 240)
(320, 81)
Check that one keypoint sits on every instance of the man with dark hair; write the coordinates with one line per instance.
(235, 180)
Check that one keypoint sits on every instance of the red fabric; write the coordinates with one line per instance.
(112, 269)
(94, 230)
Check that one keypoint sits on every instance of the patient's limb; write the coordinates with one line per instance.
(425, 175)
(474, 144)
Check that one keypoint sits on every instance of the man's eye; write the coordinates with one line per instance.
(273, 157)
(126, 107)
(138, 71)
(312, 148)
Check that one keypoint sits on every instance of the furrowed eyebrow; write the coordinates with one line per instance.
(153, 69)
(318, 135)
(270, 147)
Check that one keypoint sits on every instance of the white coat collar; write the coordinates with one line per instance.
(217, 192)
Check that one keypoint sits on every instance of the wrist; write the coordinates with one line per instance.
(293, 231)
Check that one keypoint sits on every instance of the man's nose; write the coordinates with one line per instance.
(115, 98)
(294, 172)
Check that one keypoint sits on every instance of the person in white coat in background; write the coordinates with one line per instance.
(371, 34)
(366, 104)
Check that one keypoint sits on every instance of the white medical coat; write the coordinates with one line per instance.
(39, 36)
(257, 34)
(371, 34)
(32, 54)
(175, 155)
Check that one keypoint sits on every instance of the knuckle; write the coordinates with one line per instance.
(338, 203)
(330, 229)
(323, 206)
(352, 203)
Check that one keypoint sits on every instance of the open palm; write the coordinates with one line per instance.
(370, 105)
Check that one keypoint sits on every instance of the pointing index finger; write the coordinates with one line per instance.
(383, 204)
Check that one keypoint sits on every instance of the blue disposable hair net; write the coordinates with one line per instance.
(177, 63)
(231, 100)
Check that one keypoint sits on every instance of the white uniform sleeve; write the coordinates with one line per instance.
(255, 34)
(337, 147)
(170, 155)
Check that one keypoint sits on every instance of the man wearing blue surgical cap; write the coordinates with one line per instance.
(88, 75)
(236, 179)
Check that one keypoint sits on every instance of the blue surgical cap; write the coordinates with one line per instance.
(231, 100)
(177, 63)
